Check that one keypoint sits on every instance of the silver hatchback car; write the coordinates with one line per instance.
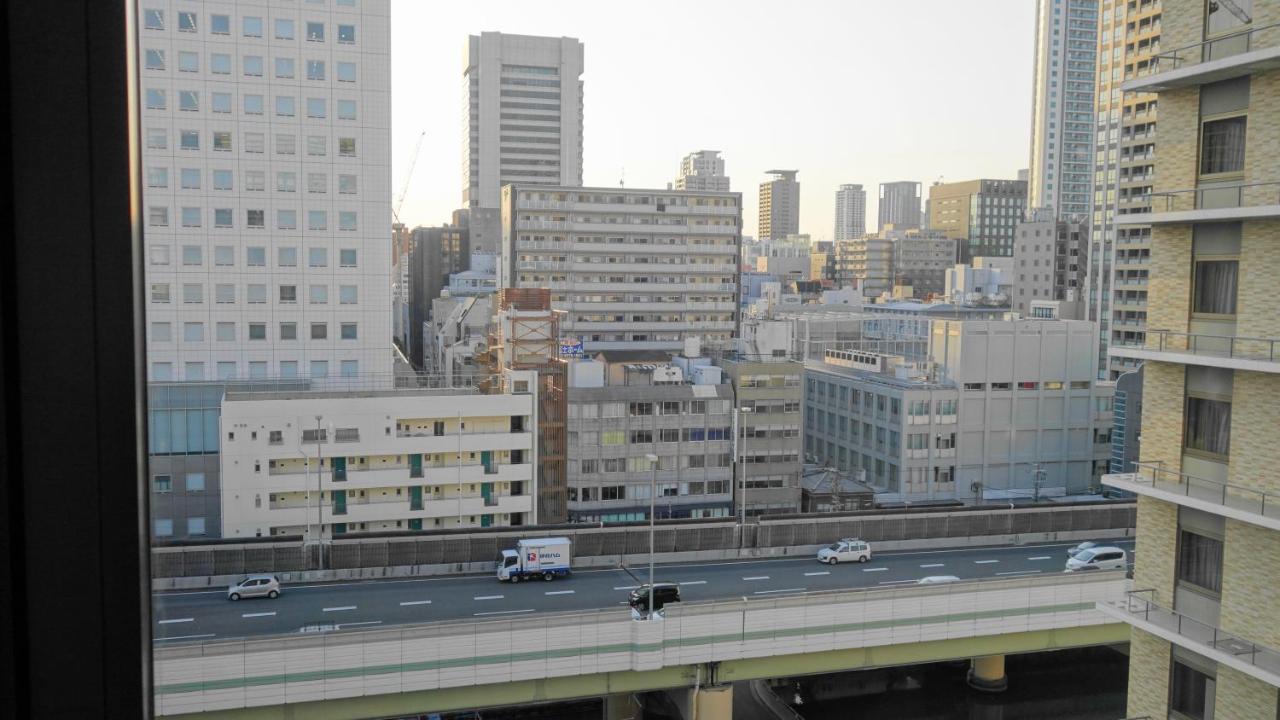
(267, 586)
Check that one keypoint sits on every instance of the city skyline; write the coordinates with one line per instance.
(629, 141)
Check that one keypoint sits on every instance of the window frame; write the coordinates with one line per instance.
(1197, 395)
(1196, 261)
(1205, 120)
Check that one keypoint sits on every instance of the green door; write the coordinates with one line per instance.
(415, 499)
(339, 469)
(486, 492)
(415, 466)
(486, 520)
(486, 459)
(339, 502)
(415, 524)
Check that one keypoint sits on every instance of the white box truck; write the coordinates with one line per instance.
(547, 558)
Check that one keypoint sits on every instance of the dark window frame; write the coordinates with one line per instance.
(91, 554)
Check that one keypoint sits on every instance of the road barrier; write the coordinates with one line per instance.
(614, 544)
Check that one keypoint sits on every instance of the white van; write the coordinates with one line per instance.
(1099, 558)
(846, 550)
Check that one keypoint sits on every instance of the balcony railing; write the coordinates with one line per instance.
(454, 432)
(1215, 197)
(1206, 639)
(1220, 346)
(1154, 475)
(1217, 48)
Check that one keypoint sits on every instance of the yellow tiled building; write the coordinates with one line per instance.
(1205, 617)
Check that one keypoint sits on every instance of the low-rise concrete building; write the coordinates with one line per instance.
(627, 405)
(1051, 263)
(767, 386)
(322, 464)
(1005, 410)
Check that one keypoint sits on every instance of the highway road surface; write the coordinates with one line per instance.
(193, 616)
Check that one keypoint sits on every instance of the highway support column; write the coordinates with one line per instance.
(987, 674)
(621, 706)
(714, 702)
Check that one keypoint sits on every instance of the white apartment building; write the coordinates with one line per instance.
(1062, 136)
(326, 464)
(632, 268)
(524, 118)
(996, 410)
(851, 212)
(702, 170)
(266, 154)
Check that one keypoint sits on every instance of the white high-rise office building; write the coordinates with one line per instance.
(1062, 138)
(266, 155)
(524, 119)
(702, 170)
(851, 212)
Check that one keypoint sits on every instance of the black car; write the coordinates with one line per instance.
(664, 592)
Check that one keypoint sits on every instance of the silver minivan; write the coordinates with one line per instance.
(846, 550)
(267, 586)
(1098, 558)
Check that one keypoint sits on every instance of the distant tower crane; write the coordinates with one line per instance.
(413, 161)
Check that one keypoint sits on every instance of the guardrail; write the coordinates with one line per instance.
(674, 536)
(298, 668)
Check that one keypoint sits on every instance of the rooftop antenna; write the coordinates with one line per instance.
(622, 181)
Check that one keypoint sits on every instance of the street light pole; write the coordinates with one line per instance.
(653, 494)
(742, 517)
(319, 497)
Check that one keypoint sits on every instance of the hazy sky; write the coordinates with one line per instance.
(846, 91)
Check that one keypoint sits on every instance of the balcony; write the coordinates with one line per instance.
(1222, 351)
(1140, 611)
(1210, 203)
(1237, 502)
(1246, 52)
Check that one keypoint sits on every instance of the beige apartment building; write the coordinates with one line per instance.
(1120, 255)
(1205, 619)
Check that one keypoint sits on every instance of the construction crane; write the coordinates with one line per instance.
(395, 211)
(1232, 8)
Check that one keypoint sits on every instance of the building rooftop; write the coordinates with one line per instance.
(633, 356)
(818, 480)
(942, 308)
(885, 379)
